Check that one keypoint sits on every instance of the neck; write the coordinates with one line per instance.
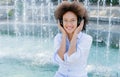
(70, 36)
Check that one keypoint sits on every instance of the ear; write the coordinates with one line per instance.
(61, 22)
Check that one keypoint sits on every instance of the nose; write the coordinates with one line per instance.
(68, 24)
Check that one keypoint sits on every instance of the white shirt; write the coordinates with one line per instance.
(74, 65)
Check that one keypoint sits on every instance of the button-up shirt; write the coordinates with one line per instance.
(74, 65)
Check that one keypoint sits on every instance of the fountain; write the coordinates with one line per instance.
(27, 29)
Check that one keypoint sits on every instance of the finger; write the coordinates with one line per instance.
(58, 23)
(59, 26)
(80, 27)
(82, 23)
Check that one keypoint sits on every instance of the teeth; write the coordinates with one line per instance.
(69, 27)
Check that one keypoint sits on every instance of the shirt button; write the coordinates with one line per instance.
(68, 70)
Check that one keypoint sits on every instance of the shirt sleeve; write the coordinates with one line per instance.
(81, 54)
(56, 57)
(84, 47)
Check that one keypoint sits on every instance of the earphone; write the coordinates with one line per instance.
(78, 22)
(61, 22)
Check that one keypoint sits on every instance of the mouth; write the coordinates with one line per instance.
(69, 28)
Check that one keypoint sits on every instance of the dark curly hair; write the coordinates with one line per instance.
(75, 7)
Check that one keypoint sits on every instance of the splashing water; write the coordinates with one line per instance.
(26, 40)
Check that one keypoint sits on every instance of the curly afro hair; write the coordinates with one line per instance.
(75, 7)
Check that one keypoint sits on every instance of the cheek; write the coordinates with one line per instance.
(75, 25)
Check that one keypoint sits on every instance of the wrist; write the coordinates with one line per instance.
(75, 34)
(63, 35)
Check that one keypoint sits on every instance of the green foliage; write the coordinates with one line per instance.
(11, 13)
(93, 1)
(114, 2)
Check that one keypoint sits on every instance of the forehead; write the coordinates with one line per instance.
(69, 15)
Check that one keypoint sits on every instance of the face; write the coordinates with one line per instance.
(69, 22)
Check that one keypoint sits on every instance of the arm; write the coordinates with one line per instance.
(83, 45)
(62, 48)
(73, 41)
(72, 47)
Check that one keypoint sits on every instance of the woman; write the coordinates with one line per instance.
(71, 45)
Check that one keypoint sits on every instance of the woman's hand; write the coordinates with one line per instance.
(62, 29)
(79, 28)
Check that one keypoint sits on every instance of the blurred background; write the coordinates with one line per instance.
(28, 27)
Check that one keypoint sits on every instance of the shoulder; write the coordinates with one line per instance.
(84, 36)
(58, 36)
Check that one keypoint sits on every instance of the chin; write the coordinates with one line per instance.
(69, 32)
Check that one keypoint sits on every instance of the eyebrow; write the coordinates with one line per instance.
(71, 18)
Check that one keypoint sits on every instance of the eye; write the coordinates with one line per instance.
(73, 20)
(64, 20)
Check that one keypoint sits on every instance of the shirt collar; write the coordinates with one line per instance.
(79, 35)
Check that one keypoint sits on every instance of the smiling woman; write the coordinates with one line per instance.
(75, 7)
(71, 45)
(69, 22)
